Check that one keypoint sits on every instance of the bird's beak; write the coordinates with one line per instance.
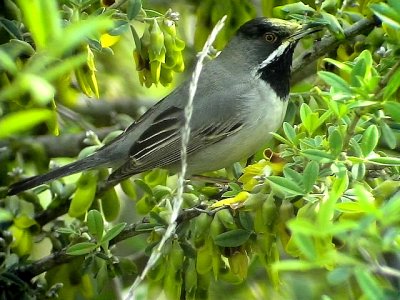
(296, 30)
(302, 31)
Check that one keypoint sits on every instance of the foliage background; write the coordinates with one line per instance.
(314, 216)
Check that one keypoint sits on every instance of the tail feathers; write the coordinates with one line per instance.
(89, 162)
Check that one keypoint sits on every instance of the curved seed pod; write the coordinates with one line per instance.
(156, 38)
(110, 204)
(84, 194)
(168, 26)
(226, 218)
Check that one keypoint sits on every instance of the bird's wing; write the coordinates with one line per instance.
(160, 144)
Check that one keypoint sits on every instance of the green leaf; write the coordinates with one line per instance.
(306, 117)
(134, 6)
(246, 220)
(67, 65)
(385, 161)
(342, 66)
(310, 175)
(338, 83)
(285, 185)
(75, 33)
(81, 248)
(335, 142)
(386, 14)
(362, 68)
(330, 5)
(145, 226)
(392, 109)
(23, 120)
(333, 25)
(292, 8)
(366, 200)
(43, 20)
(295, 265)
(7, 63)
(339, 275)
(95, 224)
(11, 28)
(289, 131)
(319, 156)
(388, 135)
(306, 245)
(370, 286)
(113, 232)
(120, 26)
(42, 92)
(358, 171)
(325, 214)
(66, 230)
(293, 175)
(232, 238)
(369, 140)
(392, 86)
(144, 186)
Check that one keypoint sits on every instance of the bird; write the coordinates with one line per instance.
(242, 96)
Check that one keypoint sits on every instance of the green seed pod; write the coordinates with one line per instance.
(179, 66)
(216, 227)
(165, 76)
(202, 226)
(179, 45)
(226, 218)
(204, 258)
(168, 27)
(145, 39)
(191, 277)
(255, 201)
(190, 200)
(128, 188)
(269, 211)
(157, 272)
(156, 38)
(176, 255)
(159, 191)
(144, 205)
(139, 61)
(155, 69)
(110, 204)
(84, 194)
(264, 242)
(158, 56)
(239, 263)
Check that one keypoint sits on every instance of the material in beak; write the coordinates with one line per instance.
(302, 32)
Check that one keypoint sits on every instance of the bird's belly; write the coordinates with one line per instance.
(240, 145)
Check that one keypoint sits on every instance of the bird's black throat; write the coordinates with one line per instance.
(277, 73)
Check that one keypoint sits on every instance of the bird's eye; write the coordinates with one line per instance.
(270, 37)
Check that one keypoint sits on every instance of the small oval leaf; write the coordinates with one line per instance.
(233, 238)
(81, 248)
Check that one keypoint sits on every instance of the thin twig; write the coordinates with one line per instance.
(178, 199)
(40, 266)
(326, 45)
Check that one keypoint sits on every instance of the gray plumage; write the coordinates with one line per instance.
(241, 97)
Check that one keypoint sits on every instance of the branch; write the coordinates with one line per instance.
(28, 271)
(304, 63)
(103, 112)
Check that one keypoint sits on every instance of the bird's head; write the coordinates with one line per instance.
(264, 47)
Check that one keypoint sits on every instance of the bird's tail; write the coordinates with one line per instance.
(87, 163)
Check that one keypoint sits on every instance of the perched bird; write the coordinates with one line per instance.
(241, 97)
